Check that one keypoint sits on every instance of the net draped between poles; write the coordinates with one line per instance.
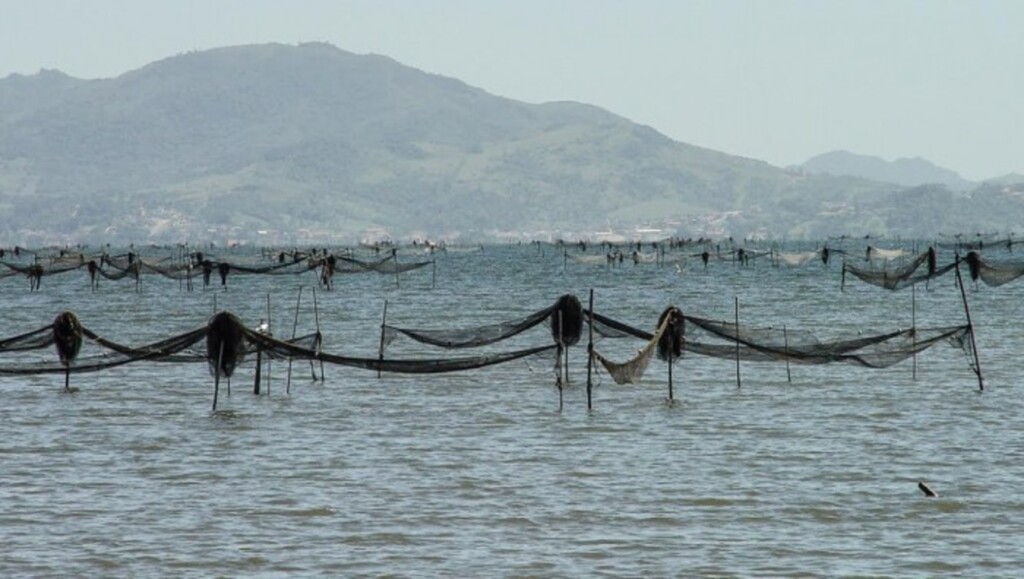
(240, 340)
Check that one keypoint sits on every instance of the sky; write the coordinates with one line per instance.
(776, 80)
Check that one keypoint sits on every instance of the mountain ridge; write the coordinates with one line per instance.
(907, 172)
(311, 142)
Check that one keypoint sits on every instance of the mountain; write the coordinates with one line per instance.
(906, 172)
(1008, 179)
(307, 144)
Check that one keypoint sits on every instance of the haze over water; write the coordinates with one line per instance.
(478, 473)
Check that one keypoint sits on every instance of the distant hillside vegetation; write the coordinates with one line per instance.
(291, 144)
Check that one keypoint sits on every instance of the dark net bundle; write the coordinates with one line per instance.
(567, 320)
(725, 340)
(69, 335)
(994, 274)
(225, 347)
(670, 343)
(921, 269)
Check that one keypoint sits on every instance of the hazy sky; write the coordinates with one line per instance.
(770, 79)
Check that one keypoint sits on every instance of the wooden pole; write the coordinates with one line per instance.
(216, 375)
(558, 378)
(590, 349)
(670, 396)
(295, 327)
(970, 326)
(785, 340)
(394, 254)
(737, 303)
(316, 316)
(913, 328)
(566, 365)
(433, 274)
(380, 347)
(270, 332)
(259, 368)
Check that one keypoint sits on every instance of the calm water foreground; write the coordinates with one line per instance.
(479, 473)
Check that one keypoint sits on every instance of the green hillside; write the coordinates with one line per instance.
(293, 143)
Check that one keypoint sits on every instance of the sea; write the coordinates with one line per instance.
(752, 469)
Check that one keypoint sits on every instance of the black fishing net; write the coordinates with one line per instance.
(993, 274)
(726, 340)
(227, 343)
(387, 265)
(565, 317)
(469, 337)
(922, 268)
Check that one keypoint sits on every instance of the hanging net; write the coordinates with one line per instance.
(873, 253)
(797, 258)
(602, 259)
(993, 275)
(726, 340)
(384, 266)
(632, 371)
(566, 318)
(921, 269)
(227, 343)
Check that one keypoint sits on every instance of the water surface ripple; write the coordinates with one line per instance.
(479, 474)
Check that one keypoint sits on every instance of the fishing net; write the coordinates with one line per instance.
(113, 354)
(644, 257)
(993, 275)
(39, 269)
(797, 258)
(632, 371)
(726, 340)
(602, 259)
(921, 269)
(228, 342)
(387, 265)
(566, 317)
(469, 337)
(744, 256)
(131, 265)
(877, 253)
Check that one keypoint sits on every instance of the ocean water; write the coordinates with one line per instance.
(479, 473)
